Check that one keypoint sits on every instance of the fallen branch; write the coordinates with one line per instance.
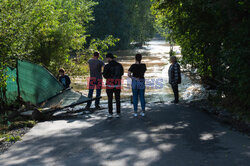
(47, 113)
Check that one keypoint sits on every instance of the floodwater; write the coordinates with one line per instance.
(156, 57)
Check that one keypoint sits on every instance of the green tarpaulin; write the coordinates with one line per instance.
(11, 93)
(68, 97)
(37, 85)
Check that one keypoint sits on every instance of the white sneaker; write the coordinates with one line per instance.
(142, 114)
(135, 114)
(118, 115)
(110, 116)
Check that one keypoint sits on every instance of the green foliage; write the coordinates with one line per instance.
(214, 37)
(41, 31)
(11, 138)
(76, 68)
(103, 45)
(78, 65)
(45, 32)
(8, 128)
(21, 124)
(3, 79)
(172, 53)
(128, 20)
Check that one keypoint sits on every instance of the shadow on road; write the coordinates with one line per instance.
(168, 135)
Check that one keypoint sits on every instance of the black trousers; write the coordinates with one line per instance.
(110, 93)
(176, 92)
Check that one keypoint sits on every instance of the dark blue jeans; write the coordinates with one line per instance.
(138, 89)
(176, 92)
(94, 84)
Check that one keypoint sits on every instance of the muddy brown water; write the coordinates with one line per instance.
(156, 56)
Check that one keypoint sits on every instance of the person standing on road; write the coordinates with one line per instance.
(174, 74)
(95, 80)
(136, 72)
(113, 72)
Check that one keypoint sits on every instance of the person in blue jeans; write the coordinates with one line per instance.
(95, 80)
(136, 73)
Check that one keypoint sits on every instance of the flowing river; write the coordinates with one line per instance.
(156, 56)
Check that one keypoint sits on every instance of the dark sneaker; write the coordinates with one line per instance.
(174, 102)
(97, 107)
(87, 108)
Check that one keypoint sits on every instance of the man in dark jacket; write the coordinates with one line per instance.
(174, 74)
(113, 72)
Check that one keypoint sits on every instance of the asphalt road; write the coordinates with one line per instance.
(170, 135)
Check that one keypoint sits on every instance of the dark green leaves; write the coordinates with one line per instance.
(214, 37)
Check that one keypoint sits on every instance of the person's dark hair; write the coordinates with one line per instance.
(138, 58)
(110, 55)
(96, 54)
(173, 58)
(61, 70)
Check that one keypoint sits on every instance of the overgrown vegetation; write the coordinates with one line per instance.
(42, 31)
(9, 126)
(65, 33)
(214, 37)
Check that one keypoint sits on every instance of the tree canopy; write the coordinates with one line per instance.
(43, 31)
(128, 20)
